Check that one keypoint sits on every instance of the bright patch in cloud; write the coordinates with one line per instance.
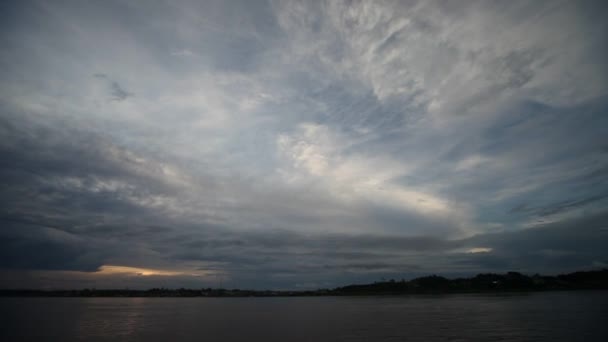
(136, 271)
(479, 250)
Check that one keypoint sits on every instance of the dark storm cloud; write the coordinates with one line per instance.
(283, 244)
(557, 207)
(28, 247)
(553, 247)
(60, 192)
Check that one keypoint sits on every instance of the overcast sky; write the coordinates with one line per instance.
(305, 144)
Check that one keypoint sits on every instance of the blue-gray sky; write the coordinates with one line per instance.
(300, 144)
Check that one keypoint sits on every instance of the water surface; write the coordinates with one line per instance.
(550, 316)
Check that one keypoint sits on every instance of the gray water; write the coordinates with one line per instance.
(556, 316)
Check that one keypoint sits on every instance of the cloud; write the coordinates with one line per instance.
(116, 90)
(284, 143)
(317, 156)
(475, 250)
(118, 93)
(556, 208)
(182, 53)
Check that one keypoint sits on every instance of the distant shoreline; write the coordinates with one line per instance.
(482, 283)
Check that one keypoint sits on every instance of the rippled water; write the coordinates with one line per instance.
(557, 316)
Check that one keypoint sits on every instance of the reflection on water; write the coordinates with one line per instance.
(121, 319)
(560, 316)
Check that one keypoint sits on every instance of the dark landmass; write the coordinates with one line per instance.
(481, 283)
(486, 282)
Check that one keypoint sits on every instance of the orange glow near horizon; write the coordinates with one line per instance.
(127, 270)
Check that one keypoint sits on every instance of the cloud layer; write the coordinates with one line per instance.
(293, 144)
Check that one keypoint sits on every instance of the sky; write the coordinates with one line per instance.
(300, 144)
